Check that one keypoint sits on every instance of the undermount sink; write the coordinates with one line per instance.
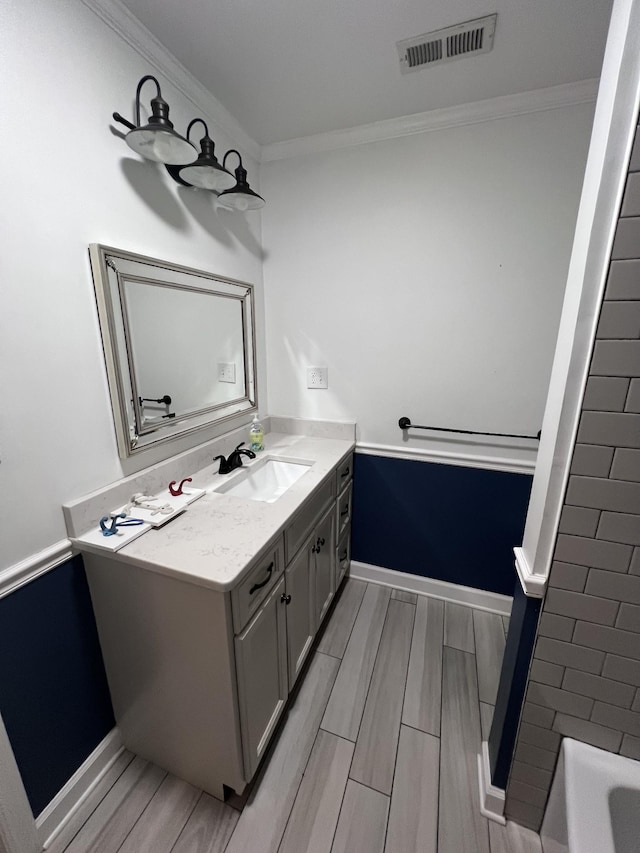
(266, 480)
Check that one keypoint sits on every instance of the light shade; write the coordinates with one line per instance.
(206, 173)
(241, 196)
(157, 140)
(162, 145)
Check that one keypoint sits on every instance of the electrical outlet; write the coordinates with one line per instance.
(226, 371)
(317, 377)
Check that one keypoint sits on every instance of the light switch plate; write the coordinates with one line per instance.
(317, 377)
(226, 371)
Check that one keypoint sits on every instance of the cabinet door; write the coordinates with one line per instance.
(324, 544)
(261, 665)
(299, 610)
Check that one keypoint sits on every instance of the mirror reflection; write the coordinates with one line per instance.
(186, 345)
(178, 346)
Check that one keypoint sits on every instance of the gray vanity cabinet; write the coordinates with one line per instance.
(263, 683)
(199, 677)
(343, 518)
(343, 556)
(324, 568)
(272, 649)
(299, 611)
(310, 579)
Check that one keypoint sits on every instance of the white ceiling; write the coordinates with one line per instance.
(292, 68)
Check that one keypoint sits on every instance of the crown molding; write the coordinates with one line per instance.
(137, 36)
(505, 106)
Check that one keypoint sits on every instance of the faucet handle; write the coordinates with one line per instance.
(245, 452)
(224, 467)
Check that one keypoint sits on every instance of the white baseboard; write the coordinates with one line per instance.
(69, 799)
(491, 798)
(490, 601)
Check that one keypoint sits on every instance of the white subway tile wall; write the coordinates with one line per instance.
(633, 398)
(584, 680)
(556, 627)
(579, 521)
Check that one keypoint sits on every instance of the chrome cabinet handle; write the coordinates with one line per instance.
(258, 586)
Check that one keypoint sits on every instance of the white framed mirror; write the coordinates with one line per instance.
(179, 346)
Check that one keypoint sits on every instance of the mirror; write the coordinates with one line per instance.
(178, 343)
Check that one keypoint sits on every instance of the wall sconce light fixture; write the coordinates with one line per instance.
(157, 140)
(241, 196)
(206, 173)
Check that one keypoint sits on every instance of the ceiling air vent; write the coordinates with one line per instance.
(445, 45)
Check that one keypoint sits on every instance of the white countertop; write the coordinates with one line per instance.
(217, 538)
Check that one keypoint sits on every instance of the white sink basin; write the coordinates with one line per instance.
(266, 480)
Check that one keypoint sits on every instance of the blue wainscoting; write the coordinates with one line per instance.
(54, 697)
(447, 522)
(513, 682)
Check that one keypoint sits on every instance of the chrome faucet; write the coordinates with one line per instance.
(234, 460)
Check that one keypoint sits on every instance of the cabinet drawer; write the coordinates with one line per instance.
(344, 473)
(343, 520)
(247, 597)
(343, 557)
(297, 531)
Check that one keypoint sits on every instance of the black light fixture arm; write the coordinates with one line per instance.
(139, 89)
(159, 107)
(195, 121)
(232, 151)
(122, 120)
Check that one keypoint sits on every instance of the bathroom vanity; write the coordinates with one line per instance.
(205, 623)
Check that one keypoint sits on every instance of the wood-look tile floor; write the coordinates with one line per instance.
(377, 753)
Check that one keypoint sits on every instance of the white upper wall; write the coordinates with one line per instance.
(427, 273)
(68, 181)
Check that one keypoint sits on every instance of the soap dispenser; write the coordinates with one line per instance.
(256, 434)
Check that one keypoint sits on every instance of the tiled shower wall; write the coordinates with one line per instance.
(584, 681)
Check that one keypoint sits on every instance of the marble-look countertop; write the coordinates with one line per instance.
(214, 542)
